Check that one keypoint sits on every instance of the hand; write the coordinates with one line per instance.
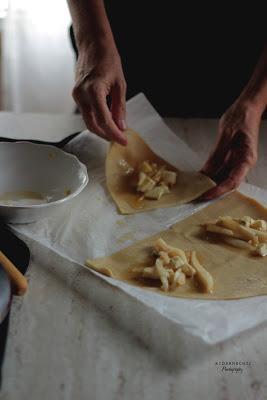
(236, 148)
(98, 75)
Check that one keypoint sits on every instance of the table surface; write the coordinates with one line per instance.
(62, 346)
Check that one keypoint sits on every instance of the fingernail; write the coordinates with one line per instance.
(123, 141)
(122, 124)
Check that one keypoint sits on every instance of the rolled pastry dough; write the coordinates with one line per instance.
(237, 273)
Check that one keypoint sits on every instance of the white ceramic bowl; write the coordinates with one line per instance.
(37, 179)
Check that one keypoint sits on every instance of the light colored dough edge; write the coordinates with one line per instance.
(102, 270)
(263, 207)
(107, 184)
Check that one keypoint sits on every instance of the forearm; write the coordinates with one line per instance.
(99, 73)
(90, 23)
(255, 92)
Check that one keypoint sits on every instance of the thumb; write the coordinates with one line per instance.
(217, 158)
(118, 105)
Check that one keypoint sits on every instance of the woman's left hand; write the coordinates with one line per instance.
(236, 149)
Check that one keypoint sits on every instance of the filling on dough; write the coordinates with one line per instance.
(173, 266)
(154, 181)
(245, 232)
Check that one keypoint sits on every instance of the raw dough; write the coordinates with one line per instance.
(236, 272)
(120, 160)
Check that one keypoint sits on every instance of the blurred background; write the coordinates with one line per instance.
(36, 58)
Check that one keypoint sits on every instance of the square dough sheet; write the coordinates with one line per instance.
(237, 273)
(189, 186)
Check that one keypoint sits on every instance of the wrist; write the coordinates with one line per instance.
(254, 99)
(99, 39)
(254, 105)
(99, 48)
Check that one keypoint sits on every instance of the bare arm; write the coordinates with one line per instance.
(236, 149)
(98, 72)
(255, 91)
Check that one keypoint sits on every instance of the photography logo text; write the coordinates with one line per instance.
(232, 367)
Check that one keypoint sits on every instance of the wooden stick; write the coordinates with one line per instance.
(16, 277)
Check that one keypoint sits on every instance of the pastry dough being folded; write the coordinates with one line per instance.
(121, 167)
(237, 272)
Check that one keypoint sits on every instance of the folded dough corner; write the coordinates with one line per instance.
(189, 185)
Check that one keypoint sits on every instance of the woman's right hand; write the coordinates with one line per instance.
(99, 74)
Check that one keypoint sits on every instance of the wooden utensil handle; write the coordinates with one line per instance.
(16, 277)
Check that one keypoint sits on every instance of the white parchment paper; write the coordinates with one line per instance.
(93, 228)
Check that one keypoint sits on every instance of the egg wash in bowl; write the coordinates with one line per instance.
(36, 179)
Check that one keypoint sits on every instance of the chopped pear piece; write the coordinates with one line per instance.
(219, 230)
(154, 181)
(188, 270)
(158, 175)
(150, 272)
(164, 257)
(157, 192)
(210, 222)
(246, 232)
(178, 279)
(145, 183)
(169, 177)
(262, 249)
(177, 262)
(259, 224)
(202, 275)
(240, 231)
(163, 275)
(142, 178)
(161, 245)
(246, 220)
(262, 236)
(177, 252)
(172, 267)
(181, 279)
(146, 168)
(240, 244)
(254, 241)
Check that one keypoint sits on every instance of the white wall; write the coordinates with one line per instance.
(38, 62)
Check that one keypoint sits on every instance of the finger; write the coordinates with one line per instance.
(81, 98)
(234, 179)
(215, 161)
(217, 157)
(92, 125)
(241, 150)
(245, 148)
(93, 105)
(104, 118)
(118, 105)
(89, 117)
(224, 172)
